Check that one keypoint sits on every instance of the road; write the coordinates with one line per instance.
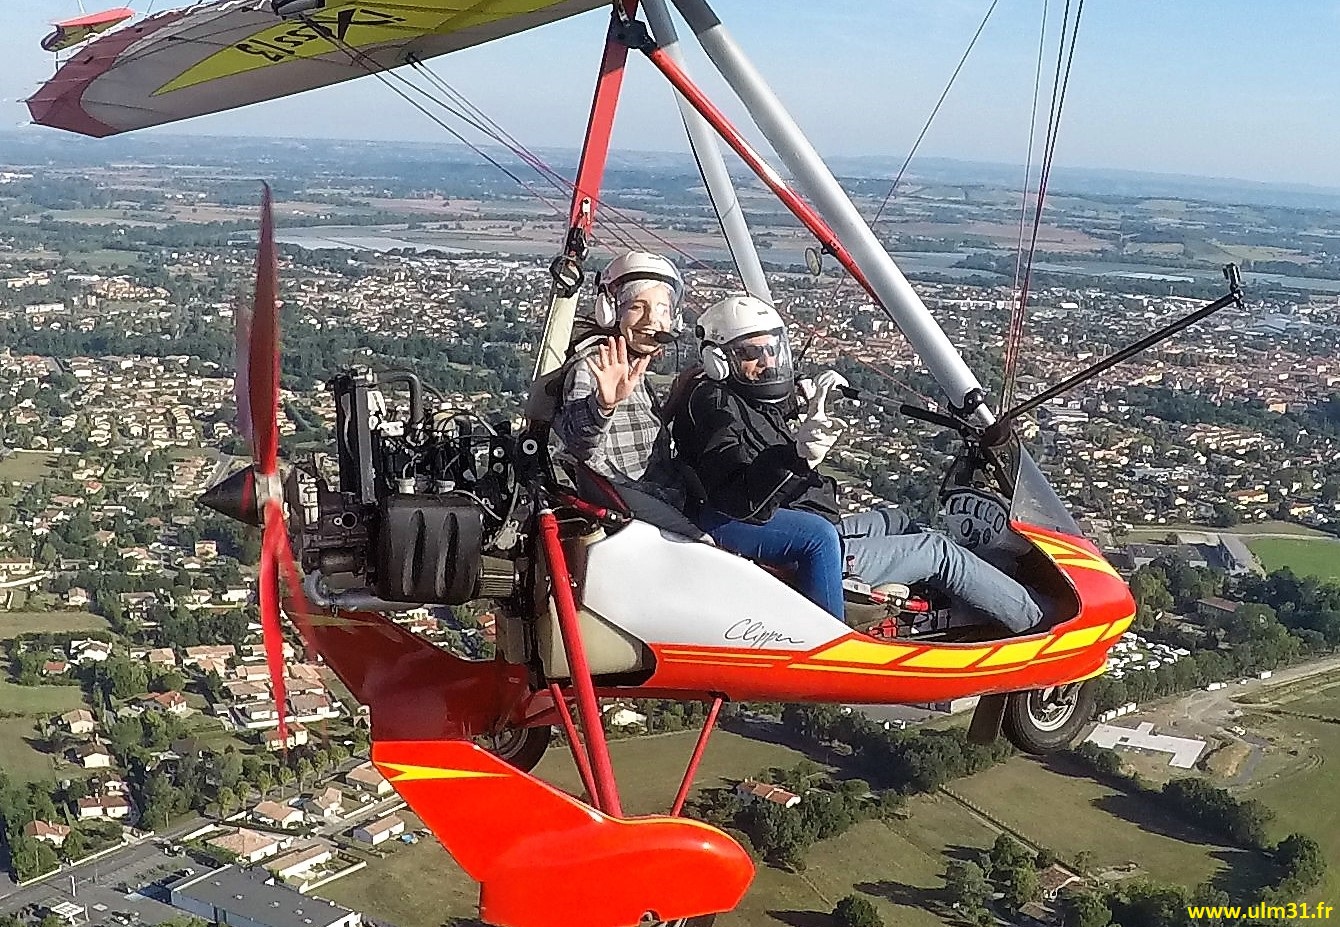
(1212, 709)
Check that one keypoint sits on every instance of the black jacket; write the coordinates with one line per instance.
(744, 457)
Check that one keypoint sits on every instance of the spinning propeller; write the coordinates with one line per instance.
(254, 495)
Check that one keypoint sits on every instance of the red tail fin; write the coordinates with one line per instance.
(543, 858)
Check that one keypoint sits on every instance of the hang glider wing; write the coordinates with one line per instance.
(224, 54)
(71, 32)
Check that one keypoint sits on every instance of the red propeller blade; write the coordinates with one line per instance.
(272, 543)
(263, 356)
(261, 379)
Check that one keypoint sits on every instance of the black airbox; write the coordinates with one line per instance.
(429, 549)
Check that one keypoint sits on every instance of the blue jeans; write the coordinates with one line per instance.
(884, 546)
(802, 540)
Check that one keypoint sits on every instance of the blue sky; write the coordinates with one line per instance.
(1226, 88)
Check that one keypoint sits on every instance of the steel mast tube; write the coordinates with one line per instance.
(899, 299)
(585, 192)
(707, 152)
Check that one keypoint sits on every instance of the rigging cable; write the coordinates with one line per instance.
(935, 110)
(1061, 82)
(1023, 197)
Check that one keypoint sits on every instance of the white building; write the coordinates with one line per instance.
(379, 830)
(242, 899)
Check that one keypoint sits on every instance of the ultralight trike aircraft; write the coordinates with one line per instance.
(433, 508)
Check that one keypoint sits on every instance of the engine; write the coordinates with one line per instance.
(425, 506)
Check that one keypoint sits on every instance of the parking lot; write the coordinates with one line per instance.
(109, 889)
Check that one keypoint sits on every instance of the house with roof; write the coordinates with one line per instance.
(174, 703)
(78, 721)
(161, 656)
(47, 831)
(276, 814)
(327, 805)
(242, 691)
(55, 668)
(90, 651)
(366, 778)
(299, 862)
(297, 736)
(102, 806)
(211, 653)
(249, 845)
(311, 707)
(1055, 879)
(379, 830)
(1216, 608)
(259, 714)
(754, 791)
(93, 756)
(251, 672)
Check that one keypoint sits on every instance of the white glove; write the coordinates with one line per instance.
(816, 436)
(823, 383)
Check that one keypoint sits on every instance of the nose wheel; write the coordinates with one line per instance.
(1045, 720)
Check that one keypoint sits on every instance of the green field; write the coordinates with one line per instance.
(1158, 532)
(1320, 558)
(37, 700)
(12, 624)
(26, 466)
(106, 259)
(21, 762)
(1304, 798)
(1071, 812)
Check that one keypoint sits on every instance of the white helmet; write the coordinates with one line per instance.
(627, 268)
(746, 329)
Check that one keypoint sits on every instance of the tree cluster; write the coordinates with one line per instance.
(907, 761)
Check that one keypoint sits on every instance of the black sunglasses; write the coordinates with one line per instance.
(756, 352)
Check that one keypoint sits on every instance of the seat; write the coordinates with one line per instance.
(632, 502)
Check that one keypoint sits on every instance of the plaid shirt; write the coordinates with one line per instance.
(630, 444)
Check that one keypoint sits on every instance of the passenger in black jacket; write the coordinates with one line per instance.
(752, 471)
(759, 499)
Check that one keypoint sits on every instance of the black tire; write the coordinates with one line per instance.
(522, 747)
(1042, 721)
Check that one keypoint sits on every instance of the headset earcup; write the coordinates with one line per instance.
(604, 311)
(715, 364)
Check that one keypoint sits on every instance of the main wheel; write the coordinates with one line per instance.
(522, 747)
(1045, 720)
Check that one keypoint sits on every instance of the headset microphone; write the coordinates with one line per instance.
(665, 337)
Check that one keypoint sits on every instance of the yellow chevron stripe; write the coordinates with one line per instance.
(947, 657)
(867, 652)
(899, 671)
(1018, 652)
(1096, 564)
(1074, 640)
(410, 773)
(1118, 628)
(1072, 555)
